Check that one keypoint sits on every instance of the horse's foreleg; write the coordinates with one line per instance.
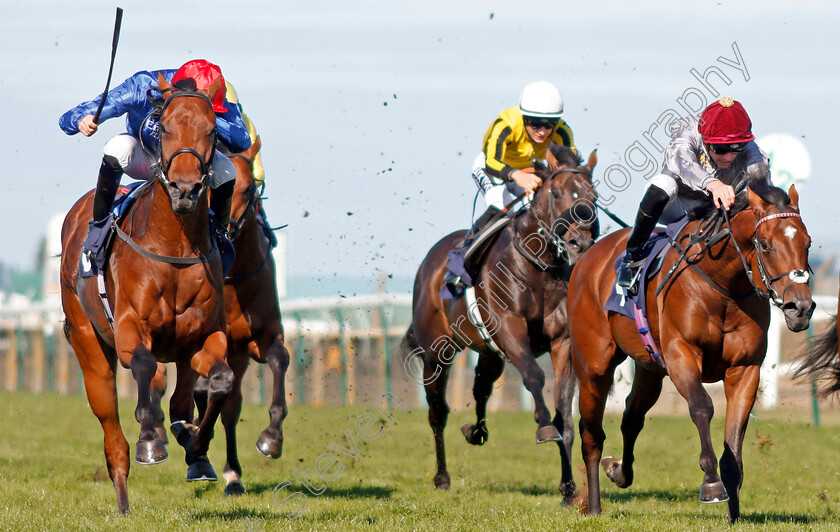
(270, 442)
(210, 362)
(740, 385)
(564, 390)
(435, 376)
(181, 415)
(101, 389)
(517, 348)
(230, 417)
(200, 398)
(487, 371)
(150, 447)
(647, 386)
(158, 388)
(592, 400)
(687, 380)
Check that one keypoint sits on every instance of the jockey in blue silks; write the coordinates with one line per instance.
(135, 151)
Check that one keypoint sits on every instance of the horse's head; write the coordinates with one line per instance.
(245, 196)
(781, 245)
(565, 202)
(187, 142)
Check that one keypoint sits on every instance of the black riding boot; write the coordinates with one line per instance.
(220, 201)
(103, 199)
(650, 210)
(452, 278)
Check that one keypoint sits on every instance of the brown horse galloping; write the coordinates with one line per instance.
(521, 293)
(702, 334)
(254, 327)
(164, 283)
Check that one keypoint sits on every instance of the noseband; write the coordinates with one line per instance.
(796, 276)
(163, 164)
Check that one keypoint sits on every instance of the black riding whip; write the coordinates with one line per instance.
(117, 24)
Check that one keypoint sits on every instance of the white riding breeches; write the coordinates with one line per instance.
(137, 163)
(497, 193)
(677, 206)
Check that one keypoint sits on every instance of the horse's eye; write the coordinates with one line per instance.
(575, 195)
(162, 129)
(764, 246)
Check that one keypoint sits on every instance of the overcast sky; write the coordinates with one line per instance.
(371, 112)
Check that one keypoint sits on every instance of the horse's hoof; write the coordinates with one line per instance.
(235, 488)
(162, 435)
(270, 447)
(567, 490)
(614, 471)
(442, 481)
(548, 433)
(713, 492)
(201, 470)
(475, 435)
(150, 452)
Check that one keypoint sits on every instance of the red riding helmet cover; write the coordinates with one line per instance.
(204, 73)
(725, 122)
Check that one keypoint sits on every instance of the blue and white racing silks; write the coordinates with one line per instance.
(131, 98)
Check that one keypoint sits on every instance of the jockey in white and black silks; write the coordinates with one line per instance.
(135, 151)
(703, 159)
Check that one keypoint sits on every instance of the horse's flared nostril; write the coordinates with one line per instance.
(196, 191)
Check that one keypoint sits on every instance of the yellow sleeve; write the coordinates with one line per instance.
(495, 144)
(259, 171)
(563, 135)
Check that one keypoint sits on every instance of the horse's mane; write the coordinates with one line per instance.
(565, 155)
(156, 95)
(769, 193)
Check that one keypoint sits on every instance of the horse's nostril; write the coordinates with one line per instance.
(196, 190)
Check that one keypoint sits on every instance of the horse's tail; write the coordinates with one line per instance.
(408, 343)
(821, 360)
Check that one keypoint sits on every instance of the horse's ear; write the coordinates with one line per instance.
(162, 83)
(593, 159)
(252, 151)
(551, 160)
(794, 196)
(214, 87)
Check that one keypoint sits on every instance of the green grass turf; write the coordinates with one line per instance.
(53, 476)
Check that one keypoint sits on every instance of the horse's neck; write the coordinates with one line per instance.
(527, 228)
(178, 231)
(722, 262)
(250, 241)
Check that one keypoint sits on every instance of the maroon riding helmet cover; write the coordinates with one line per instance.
(725, 122)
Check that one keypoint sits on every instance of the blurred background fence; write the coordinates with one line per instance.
(344, 350)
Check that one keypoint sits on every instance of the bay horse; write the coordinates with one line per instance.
(254, 326)
(709, 324)
(521, 292)
(821, 359)
(164, 284)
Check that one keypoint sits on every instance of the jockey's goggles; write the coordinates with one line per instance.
(721, 149)
(540, 123)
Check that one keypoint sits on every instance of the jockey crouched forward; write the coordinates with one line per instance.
(506, 167)
(135, 151)
(703, 159)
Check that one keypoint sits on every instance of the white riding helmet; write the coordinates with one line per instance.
(541, 99)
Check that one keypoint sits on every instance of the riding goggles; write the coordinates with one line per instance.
(721, 149)
(541, 123)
